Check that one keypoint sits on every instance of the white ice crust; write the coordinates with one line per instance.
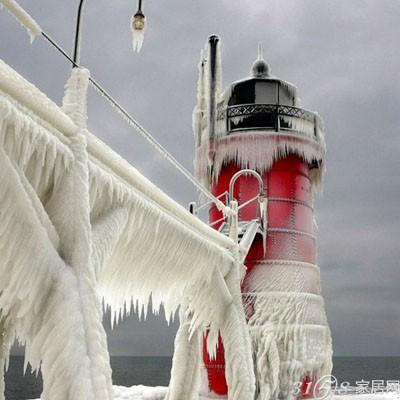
(22, 17)
(158, 393)
(82, 227)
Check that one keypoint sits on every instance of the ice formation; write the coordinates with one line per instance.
(22, 17)
(288, 326)
(137, 35)
(258, 151)
(199, 113)
(83, 225)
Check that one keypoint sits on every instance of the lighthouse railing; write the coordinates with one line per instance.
(277, 117)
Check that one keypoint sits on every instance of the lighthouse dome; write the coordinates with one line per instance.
(264, 102)
(260, 69)
(260, 87)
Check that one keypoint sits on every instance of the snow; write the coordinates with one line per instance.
(158, 393)
(139, 393)
(22, 17)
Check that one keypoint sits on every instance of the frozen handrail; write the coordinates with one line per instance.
(246, 203)
(131, 176)
(246, 172)
(31, 98)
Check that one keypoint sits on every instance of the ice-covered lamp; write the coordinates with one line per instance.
(138, 25)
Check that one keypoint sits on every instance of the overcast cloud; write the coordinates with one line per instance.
(343, 55)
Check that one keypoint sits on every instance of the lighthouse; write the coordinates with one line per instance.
(254, 140)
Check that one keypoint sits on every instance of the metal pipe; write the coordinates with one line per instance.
(212, 62)
(246, 172)
(77, 44)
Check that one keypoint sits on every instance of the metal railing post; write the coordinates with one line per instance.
(245, 172)
(77, 44)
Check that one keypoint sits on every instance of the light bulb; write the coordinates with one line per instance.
(138, 25)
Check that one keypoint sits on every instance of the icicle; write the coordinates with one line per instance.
(22, 17)
(301, 126)
(32, 146)
(262, 204)
(52, 295)
(290, 88)
(258, 151)
(287, 322)
(138, 26)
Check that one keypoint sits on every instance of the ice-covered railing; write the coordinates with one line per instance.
(272, 116)
(81, 223)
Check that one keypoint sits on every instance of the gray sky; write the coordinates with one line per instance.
(344, 57)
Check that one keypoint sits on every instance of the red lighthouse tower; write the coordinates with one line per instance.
(257, 124)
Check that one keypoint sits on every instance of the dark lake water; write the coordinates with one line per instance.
(155, 371)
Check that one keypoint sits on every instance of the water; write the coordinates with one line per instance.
(127, 371)
(352, 369)
(155, 371)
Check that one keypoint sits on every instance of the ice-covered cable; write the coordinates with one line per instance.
(22, 17)
(160, 148)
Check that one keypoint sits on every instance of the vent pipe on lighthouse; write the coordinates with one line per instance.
(214, 88)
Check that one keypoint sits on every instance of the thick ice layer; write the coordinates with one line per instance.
(200, 111)
(102, 230)
(288, 326)
(22, 17)
(257, 150)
